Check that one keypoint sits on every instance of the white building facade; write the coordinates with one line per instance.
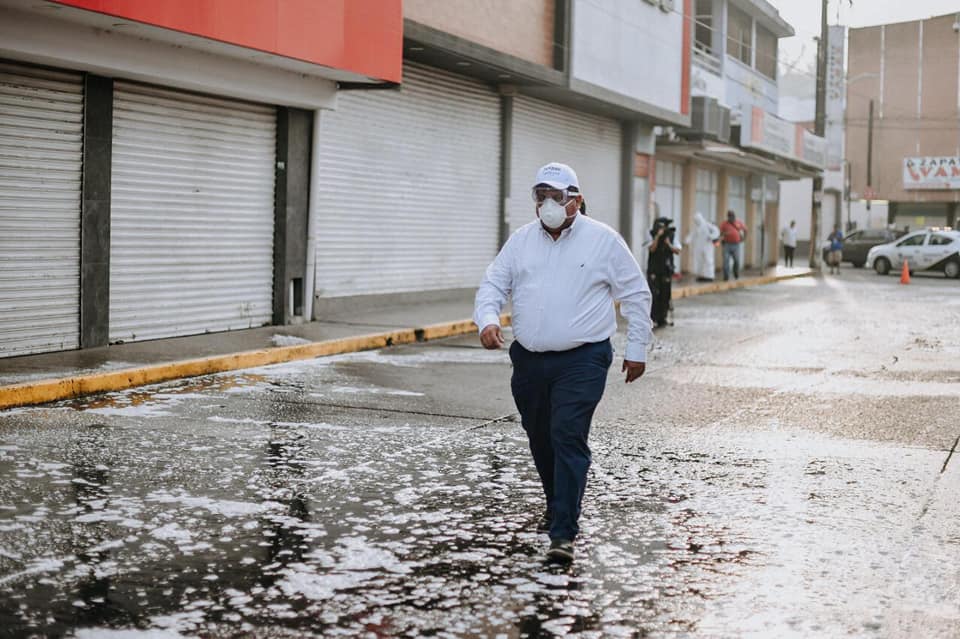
(737, 148)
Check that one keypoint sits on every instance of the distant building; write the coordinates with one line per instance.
(909, 72)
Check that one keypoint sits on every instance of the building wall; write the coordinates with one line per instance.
(796, 197)
(910, 70)
(746, 88)
(522, 28)
(632, 48)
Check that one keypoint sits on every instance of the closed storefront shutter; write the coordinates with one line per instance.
(544, 132)
(41, 120)
(192, 214)
(409, 187)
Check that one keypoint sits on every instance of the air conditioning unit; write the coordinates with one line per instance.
(709, 120)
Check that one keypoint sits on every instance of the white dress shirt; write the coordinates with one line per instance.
(789, 237)
(563, 291)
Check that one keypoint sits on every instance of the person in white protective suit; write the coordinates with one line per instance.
(702, 238)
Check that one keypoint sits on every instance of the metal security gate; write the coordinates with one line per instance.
(409, 187)
(41, 145)
(192, 214)
(544, 132)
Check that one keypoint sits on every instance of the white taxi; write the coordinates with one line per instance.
(934, 249)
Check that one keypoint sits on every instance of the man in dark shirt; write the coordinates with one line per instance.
(660, 268)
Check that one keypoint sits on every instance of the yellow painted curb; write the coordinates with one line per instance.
(51, 390)
(719, 287)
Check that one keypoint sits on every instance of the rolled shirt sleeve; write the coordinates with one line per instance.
(630, 288)
(495, 289)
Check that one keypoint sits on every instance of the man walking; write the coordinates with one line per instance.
(563, 271)
(732, 233)
(789, 239)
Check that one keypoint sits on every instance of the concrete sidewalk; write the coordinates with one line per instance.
(37, 379)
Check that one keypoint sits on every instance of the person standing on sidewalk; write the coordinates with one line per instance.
(732, 233)
(788, 236)
(835, 256)
(563, 272)
(704, 238)
(660, 268)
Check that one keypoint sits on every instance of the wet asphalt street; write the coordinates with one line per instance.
(783, 470)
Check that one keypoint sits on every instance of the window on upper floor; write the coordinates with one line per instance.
(739, 35)
(703, 26)
(766, 53)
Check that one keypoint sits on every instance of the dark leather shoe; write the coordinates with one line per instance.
(561, 551)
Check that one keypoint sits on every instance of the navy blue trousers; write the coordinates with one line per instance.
(556, 394)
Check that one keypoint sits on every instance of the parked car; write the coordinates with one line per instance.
(858, 243)
(927, 250)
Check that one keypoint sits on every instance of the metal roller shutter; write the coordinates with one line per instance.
(41, 140)
(544, 132)
(192, 214)
(410, 187)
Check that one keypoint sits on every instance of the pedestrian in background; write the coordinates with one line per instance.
(563, 272)
(660, 268)
(703, 238)
(788, 236)
(732, 233)
(835, 255)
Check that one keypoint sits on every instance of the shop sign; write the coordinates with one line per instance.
(770, 133)
(930, 172)
(836, 92)
(765, 131)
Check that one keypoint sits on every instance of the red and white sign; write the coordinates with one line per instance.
(762, 130)
(937, 173)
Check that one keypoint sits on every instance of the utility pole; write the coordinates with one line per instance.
(820, 127)
(869, 193)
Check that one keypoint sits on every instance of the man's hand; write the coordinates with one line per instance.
(633, 369)
(491, 337)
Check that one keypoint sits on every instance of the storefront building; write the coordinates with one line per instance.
(736, 149)
(426, 183)
(154, 160)
(173, 171)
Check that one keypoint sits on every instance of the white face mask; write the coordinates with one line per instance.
(552, 214)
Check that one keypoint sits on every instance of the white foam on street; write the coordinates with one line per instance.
(223, 507)
(288, 340)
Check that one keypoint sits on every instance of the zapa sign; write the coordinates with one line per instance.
(931, 172)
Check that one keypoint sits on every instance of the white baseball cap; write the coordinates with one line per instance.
(559, 176)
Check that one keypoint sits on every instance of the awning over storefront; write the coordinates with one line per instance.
(726, 156)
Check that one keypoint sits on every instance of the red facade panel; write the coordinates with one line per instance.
(361, 36)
